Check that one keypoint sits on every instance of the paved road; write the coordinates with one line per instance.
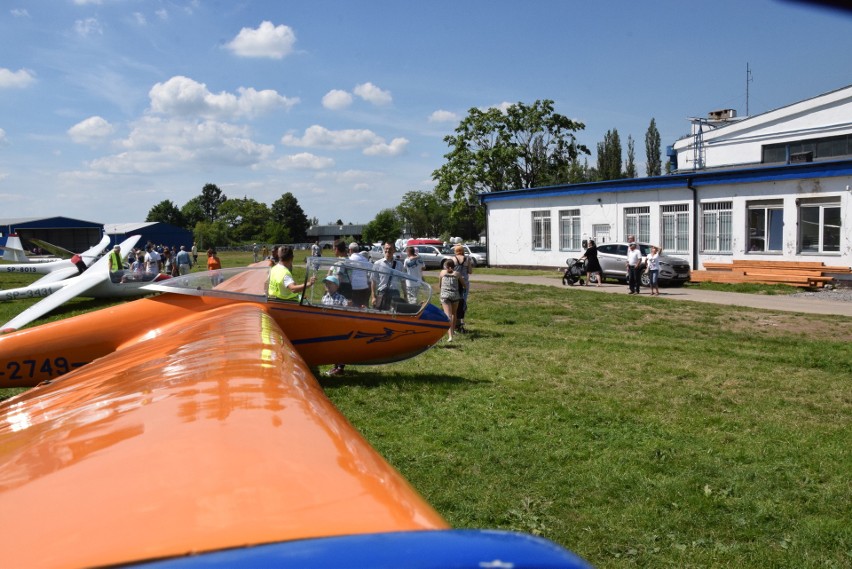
(786, 303)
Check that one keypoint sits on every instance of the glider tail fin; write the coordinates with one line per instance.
(14, 250)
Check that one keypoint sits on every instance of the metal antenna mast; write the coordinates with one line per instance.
(748, 80)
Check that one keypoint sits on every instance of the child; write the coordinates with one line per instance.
(331, 296)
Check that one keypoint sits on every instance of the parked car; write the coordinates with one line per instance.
(477, 254)
(432, 255)
(377, 252)
(613, 259)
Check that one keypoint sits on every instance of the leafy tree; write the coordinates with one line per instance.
(166, 212)
(192, 213)
(274, 232)
(424, 213)
(287, 212)
(493, 151)
(246, 218)
(385, 227)
(652, 150)
(630, 170)
(211, 198)
(609, 156)
(210, 234)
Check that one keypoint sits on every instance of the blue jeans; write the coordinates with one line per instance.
(654, 274)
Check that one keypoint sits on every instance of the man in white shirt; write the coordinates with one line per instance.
(152, 260)
(359, 279)
(634, 267)
(385, 286)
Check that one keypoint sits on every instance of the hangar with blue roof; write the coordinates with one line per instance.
(68, 233)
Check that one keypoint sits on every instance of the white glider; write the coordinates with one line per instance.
(94, 282)
(13, 251)
(69, 266)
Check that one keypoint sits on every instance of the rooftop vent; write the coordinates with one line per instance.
(723, 114)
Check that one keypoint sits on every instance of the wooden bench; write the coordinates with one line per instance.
(806, 274)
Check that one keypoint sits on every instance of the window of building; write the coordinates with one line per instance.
(541, 230)
(569, 230)
(807, 150)
(675, 228)
(819, 226)
(716, 227)
(600, 233)
(765, 226)
(637, 221)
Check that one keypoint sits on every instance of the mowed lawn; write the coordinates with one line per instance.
(637, 432)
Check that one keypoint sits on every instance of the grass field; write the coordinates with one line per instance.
(637, 432)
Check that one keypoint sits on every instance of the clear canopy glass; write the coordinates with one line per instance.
(332, 283)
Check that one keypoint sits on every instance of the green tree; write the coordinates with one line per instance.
(246, 218)
(385, 227)
(653, 165)
(166, 212)
(274, 232)
(287, 212)
(211, 198)
(192, 213)
(609, 156)
(630, 169)
(210, 234)
(493, 151)
(424, 214)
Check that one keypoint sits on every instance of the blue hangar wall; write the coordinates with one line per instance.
(155, 232)
(71, 234)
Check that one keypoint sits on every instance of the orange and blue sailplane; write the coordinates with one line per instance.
(187, 430)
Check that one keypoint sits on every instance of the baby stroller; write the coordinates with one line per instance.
(575, 272)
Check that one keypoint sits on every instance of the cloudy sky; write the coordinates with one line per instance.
(108, 107)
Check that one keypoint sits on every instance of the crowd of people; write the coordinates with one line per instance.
(376, 287)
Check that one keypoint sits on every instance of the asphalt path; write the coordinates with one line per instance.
(786, 303)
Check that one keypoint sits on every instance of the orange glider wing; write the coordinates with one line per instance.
(211, 434)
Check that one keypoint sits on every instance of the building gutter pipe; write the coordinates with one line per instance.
(694, 223)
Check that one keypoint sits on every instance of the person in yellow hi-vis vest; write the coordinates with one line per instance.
(116, 266)
(281, 283)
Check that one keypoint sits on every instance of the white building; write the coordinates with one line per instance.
(775, 186)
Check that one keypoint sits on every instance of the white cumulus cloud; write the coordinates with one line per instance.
(304, 161)
(443, 116)
(15, 79)
(395, 148)
(182, 96)
(160, 145)
(274, 42)
(373, 94)
(319, 136)
(371, 143)
(336, 100)
(93, 129)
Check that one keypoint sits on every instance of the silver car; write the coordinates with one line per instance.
(477, 253)
(377, 252)
(432, 255)
(613, 260)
